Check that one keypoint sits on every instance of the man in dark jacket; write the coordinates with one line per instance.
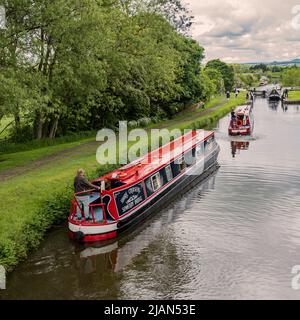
(81, 184)
(233, 115)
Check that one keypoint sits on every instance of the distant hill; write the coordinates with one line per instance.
(278, 63)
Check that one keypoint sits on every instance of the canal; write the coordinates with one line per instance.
(235, 236)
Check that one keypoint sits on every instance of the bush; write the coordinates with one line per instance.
(21, 134)
(143, 122)
(132, 124)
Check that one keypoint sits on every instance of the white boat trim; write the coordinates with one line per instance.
(93, 230)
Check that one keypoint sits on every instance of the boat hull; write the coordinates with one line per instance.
(274, 98)
(94, 233)
(240, 132)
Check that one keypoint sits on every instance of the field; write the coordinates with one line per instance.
(294, 95)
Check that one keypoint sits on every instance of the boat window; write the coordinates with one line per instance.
(208, 142)
(108, 185)
(156, 184)
(189, 158)
(149, 187)
(175, 168)
(169, 173)
(116, 184)
(181, 163)
(199, 149)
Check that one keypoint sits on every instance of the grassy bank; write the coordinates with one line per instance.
(294, 95)
(11, 160)
(37, 199)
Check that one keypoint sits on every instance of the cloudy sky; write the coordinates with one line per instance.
(247, 30)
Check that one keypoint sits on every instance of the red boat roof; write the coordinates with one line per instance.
(154, 160)
(243, 110)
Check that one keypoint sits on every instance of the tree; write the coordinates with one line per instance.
(263, 67)
(249, 79)
(226, 70)
(81, 65)
(291, 77)
(215, 76)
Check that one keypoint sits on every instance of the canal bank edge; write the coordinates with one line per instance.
(50, 208)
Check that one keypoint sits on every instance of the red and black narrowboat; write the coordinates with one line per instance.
(139, 189)
(243, 121)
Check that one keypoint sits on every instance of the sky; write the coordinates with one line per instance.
(239, 31)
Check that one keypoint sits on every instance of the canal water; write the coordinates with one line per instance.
(235, 236)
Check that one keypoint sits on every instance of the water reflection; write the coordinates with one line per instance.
(284, 107)
(124, 251)
(237, 146)
(291, 108)
(273, 105)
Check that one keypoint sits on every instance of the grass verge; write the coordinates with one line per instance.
(294, 95)
(11, 160)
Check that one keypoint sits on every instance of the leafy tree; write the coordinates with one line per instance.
(69, 65)
(215, 76)
(263, 67)
(291, 77)
(226, 70)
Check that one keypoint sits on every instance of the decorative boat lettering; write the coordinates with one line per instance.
(128, 198)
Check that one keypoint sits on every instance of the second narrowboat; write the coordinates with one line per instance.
(242, 121)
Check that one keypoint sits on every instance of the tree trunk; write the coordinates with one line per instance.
(45, 130)
(47, 56)
(39, 126)
(53, 128)
(17, 122)
(42, 50)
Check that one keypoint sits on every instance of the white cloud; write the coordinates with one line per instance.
(243, 31)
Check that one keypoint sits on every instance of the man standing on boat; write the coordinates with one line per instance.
(81, 184)
(233, 116)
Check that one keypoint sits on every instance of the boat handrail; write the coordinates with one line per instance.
(91, 209)
(92, 206)
(85, 192)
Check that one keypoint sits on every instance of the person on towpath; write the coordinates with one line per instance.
(228, 95)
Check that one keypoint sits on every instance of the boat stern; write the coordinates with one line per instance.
(88, 220)
(89, 232)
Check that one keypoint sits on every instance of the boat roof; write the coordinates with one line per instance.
(243, 110)
(158, 158)
(275, 90)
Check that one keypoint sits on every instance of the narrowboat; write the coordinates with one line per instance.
(274, 95)
(242, 123)
(135, 191)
